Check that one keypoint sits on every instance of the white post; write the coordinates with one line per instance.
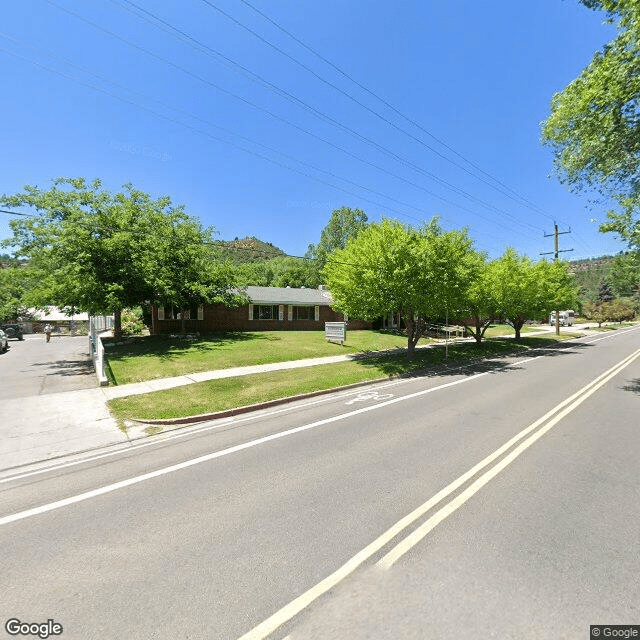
(446, 344)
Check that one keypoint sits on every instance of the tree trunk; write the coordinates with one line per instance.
(415, 328)
(117, 324)
(517, 327)
(478, 333)
(409, 322)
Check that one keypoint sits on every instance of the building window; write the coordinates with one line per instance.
(303, 313)
(265, 312)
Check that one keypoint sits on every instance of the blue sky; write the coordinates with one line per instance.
(141, 105)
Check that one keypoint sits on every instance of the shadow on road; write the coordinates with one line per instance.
(633, 386)
(82, 367)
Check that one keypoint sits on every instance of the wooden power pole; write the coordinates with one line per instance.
(556, 251)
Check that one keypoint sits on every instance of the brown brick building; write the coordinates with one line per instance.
(271, 309)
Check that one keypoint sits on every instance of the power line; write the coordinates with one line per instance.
(520, 200)
(164, 60)
(216, 138)
(182, 35)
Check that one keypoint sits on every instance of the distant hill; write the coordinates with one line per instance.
(7, 261)
(250, 249)
(590, 264)
(590, 273)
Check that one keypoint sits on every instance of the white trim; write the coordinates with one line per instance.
(281, 312)
(250, 312)
(290, 312)
(317, 313)
(160, 313)
(201, 312)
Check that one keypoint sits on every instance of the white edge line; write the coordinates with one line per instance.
(294, 607)
(219, 422)
(219, 454)
(235, 420)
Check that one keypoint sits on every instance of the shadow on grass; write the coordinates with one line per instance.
(487, 356)
(165, 347)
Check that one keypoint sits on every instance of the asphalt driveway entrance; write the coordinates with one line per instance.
(50, 402)
(34, 367)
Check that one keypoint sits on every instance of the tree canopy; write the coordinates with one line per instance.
(481, 304)
(527, 290)
(344, 224)
(419, 273)
(101, 252)
(594, 125)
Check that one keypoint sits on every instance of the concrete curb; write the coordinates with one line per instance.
(254, 407)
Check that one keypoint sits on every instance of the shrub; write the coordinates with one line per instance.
(132, 324)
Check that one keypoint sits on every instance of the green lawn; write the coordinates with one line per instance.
(497, 330)
(218, 395)
(151, 357)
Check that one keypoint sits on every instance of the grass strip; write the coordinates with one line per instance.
(152, 357)
(229, 393)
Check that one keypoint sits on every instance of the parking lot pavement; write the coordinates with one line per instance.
(33, 366)
(50, 402)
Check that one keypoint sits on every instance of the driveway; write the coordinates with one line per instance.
(34, 367)
(50, 401)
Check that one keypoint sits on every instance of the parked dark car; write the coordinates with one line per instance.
(12, 330)
(4, 343)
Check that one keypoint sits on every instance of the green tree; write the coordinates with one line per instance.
(17, 284)
(605, 292)
(526, 290)
(481, 305)
(279, 272)
(344, 224)
(419, 273)
(625, 273)
(595, 311)
(102, 252)
(619, 310)
(594, 125)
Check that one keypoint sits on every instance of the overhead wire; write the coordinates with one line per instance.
(111, 94)
(270, 44)
(389, 105)
(458, 206)
(155, 20)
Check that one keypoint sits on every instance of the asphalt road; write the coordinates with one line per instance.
(520, 475)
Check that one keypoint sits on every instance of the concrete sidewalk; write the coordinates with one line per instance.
(40, 427)
(37, 425)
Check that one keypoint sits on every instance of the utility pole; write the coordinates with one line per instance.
(556, 251)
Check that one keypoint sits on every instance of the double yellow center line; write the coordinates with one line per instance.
(525, 438)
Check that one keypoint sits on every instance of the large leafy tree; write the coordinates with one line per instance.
(17, 286)
(594, 126)
(102, 252)
(625, 274)
(420, 273)
(344, 224)
(526, 290)
(480, 306)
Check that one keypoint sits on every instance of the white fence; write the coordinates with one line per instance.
(98, 324)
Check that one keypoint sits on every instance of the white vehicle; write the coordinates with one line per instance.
(566, 318)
